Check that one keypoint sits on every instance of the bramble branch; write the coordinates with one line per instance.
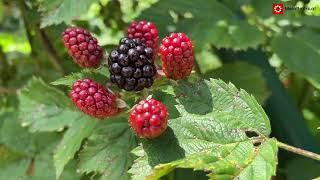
(299, 151)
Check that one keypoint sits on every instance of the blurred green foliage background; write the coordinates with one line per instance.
(274, 57)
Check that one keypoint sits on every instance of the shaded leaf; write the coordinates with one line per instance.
(224, 161)
(300, 54)
(245, 76)
(215, 140)
(44, 108)
(58, 11)
(15, 170)
(107, 150)
(208, 21)
(295, 167)
(71, 142)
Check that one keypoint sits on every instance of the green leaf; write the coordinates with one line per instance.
(300, 54)
(141, 168)
(206, 60)
(235, 35)
(310, 169)
(44, 168)
(207, 21)
(15, 170)
(168, 100)
(263, 164)
(71, 142)
(14, 136)
(7, 156)
(237, 73)
(44, 108)
(216, 140)
(58, 11)
(107, 150)
(38, 167)
(99, 75)
(236, 161)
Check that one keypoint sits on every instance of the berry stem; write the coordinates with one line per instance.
(7, 90)
(54, 60)
(299, 151)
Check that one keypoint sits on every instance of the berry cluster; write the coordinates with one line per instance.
(149, 118)
(131, 65)
(94, 100)
(176, 56)
(82, 47)
(132, 68)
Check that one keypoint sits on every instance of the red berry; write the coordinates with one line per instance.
(176, 56)
(146, 32)
(93, 99)
(82, 47)
(149, 118)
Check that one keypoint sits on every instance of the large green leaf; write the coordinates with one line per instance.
(71, 141)
(300, 53)
(203, 21)
(310, 169)
(239, 160)
(58, 11)
(15, 170)
(218, 140)
(26, 155)
(7, 156)
(44, 108)
(38, 167)
(107, 150)
(243, 75)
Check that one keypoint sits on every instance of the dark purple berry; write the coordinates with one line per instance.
(131, 65)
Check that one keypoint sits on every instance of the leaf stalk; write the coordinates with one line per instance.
(299, 151)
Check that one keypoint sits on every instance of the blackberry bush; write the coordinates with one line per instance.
(131, 65)
(202, 127)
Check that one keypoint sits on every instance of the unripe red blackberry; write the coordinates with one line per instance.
(148, 119)
(131, 65)
(146, 32)
(82, 47)
(93, 99)
(176, 56)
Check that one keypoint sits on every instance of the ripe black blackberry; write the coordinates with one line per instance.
(131, 65)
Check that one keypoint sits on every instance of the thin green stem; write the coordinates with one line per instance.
(299, 151)
(305, 94)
